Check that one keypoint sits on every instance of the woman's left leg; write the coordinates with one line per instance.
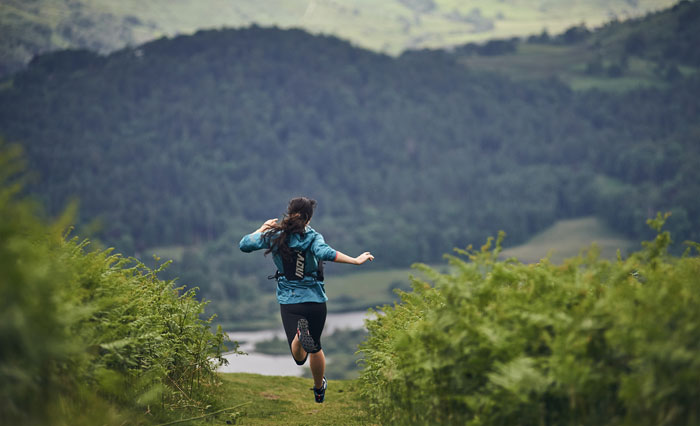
(314, 315)
(317, 362)
(298, 352)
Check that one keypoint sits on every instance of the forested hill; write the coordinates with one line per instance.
(195, 138)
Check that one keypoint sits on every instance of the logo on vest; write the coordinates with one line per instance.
(300, 266)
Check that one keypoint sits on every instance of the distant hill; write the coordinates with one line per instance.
(391, 26)
(621, 55)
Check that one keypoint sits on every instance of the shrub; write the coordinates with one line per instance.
(88, 335)
(588, 342)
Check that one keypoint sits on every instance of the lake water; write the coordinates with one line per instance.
(281, 365)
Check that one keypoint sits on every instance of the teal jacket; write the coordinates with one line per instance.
(296, 291)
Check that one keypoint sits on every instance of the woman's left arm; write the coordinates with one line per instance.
(325, 252)
(359, 260)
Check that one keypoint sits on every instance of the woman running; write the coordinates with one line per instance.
(298, 253)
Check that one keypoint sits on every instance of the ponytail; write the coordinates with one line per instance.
(299, 212)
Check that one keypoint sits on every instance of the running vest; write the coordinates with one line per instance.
(294, 264)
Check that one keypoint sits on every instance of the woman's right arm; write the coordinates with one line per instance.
(255, 240)
(270, 223)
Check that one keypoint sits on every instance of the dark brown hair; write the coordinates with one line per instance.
(299, 212)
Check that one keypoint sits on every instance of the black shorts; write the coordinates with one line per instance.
(315, 314)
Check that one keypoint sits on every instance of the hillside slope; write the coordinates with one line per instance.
(31, 27)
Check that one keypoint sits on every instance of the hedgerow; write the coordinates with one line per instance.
(88, 336)
(498, 342)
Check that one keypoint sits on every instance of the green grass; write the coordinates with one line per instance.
(567, 238)
(286, 401)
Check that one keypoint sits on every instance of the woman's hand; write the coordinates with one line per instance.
(269, 224)
(359, 260)
(364, 257)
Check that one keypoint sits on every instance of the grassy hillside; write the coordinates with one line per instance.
(566, 238)
(390, 26)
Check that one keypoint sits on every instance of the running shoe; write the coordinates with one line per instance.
(307, 342)
(320, 394)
